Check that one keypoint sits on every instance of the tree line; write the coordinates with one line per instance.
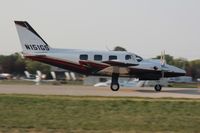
(192, 68)
(16, 65)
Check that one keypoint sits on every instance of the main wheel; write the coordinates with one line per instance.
(114, 86)
(158, 87)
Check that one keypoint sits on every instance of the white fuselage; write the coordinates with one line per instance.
(105, 63)
(90, 62)
(74, 56)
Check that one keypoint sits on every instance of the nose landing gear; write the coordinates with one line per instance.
(158, 87)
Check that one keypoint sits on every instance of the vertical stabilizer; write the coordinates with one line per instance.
(30, 40)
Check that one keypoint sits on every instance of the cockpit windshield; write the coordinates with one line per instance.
(138, 58)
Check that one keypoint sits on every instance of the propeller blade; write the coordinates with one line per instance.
(163, 62)
(162, 59)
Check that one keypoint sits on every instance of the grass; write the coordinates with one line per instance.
(184, 85)
(16, 82)
(28, 113)
(23, 82)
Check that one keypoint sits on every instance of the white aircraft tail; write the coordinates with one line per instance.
(39, 73)
(53, 74)
(73, 76)
(30, 40)
(27, 74)
(67, 76)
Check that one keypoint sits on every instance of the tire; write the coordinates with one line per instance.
(114, 87)
(158, 87)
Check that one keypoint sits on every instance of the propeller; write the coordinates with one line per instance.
(162, 62)
(162, 59)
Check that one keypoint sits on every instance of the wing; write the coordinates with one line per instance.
(107, 67)
(119, 63)
(93, 64)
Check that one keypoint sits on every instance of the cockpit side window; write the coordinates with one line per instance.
(128, 57)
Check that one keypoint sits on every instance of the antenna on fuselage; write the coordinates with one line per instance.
(108, 48)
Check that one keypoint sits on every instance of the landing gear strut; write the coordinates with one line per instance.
(114, 84)
(158, 87)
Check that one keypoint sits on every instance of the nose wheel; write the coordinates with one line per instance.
(158, 87)
(114, 84)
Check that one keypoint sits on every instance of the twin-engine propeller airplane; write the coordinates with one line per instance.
(97, 63)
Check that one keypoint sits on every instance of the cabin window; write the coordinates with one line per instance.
(83, 57)
(112, 57)
(98, 57)
(128, 57)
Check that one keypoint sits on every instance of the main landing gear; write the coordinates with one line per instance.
(114, 86)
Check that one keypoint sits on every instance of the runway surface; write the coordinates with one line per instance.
(99, 91)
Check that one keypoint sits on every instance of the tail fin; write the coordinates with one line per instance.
(30, 40)
(53, 74)
(27, 74)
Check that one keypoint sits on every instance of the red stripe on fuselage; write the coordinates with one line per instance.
(83, 67)
(60, 63)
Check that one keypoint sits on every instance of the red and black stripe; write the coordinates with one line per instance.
(61, 64)
(91, 68)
